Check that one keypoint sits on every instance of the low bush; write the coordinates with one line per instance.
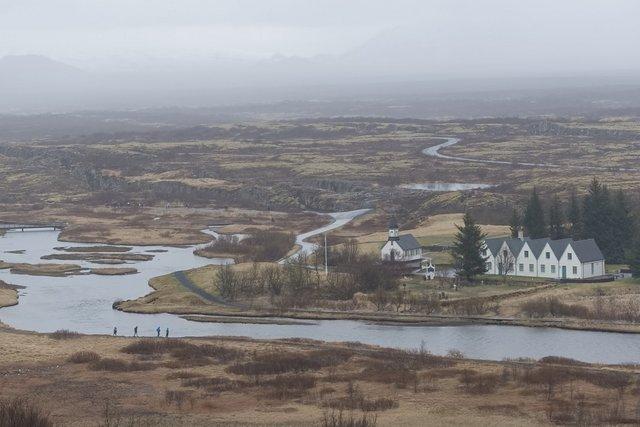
(552, 306)
(284, 362)
(19, 413)
(477, 383)
(182, 375)
(84, 357)
(340, 419)
(64, 334)
(118, 365)
(289, 386)
(179, 397)
(215, 384)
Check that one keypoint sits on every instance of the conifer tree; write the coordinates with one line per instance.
(574, 216)
(467, 249)
(533, 220)
(515, 223)
(622, 227)
(598, 218)
(556, 220)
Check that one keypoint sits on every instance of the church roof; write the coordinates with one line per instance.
(407, 242)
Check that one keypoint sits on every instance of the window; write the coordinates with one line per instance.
(547, 255)
(575, 270)
(531, 268)
(569, 255)
(526, 254)
(488, 266)
(542, 268)
(553, 268)
(593, 268)
(504, 254)
(484, 252)
(521, 267)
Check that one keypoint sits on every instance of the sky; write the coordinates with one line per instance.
(173, 51)
(98, 34)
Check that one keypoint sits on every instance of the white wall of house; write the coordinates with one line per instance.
(390, 246)
(548, 263)
(490, 261)
(526, 262)
(510, 256)
(569, 265)
(593, 269)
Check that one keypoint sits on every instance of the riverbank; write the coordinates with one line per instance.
(207, 381)
(489, 304)
(8, 294)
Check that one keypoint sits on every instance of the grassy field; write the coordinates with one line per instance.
(227, 381)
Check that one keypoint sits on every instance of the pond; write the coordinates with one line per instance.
(83, 303)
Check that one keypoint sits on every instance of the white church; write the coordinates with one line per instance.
(401, 247)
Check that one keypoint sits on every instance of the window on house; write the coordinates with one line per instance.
(593, 268)
(504, 254)
(575, 270)
(547, 255)
(569, 255)
(542, 268)
(521, 267)
(553, 268)
(488, 266)
(484, 252)
(531, 268)
(526, 254)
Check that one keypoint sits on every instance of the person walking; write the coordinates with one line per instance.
(115, 331)
(166, 334)
(158, 331)
(135, 331)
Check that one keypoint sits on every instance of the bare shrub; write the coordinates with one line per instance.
(118, 365)
(64, 334)
(181, 375)
(19, 413)
(552, 306)
(340, 419)
(215, 384)
(477, 383)
(283, 362)
(289, 386)
(179, 397)
(84, 357)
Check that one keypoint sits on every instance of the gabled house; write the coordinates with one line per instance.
(553, 259)
(401, 248)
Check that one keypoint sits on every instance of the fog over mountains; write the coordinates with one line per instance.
(126, 55)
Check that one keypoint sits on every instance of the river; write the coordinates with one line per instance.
(84, 304)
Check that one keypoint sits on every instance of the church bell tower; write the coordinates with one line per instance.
(393, 230)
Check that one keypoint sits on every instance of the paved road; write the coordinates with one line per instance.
(207, 296)
(435, 152)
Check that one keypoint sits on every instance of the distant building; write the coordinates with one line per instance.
(553, 259)
(401, 247)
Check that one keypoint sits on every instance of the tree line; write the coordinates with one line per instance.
(601, 214)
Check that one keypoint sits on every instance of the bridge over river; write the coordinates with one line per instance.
(7, 226)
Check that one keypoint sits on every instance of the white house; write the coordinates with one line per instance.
(401, 248)
(553, 259)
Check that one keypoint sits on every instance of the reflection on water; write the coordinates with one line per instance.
(83, 303)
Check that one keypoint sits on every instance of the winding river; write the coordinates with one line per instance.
(83, 304)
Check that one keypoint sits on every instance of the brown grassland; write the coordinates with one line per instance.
(80, 380)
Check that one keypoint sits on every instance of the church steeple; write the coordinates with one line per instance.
(393, 229)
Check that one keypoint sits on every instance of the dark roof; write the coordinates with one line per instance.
(559, 246)
(587, 250)
(407, 242)
(515, 245)
(537, 245)
(494, 245)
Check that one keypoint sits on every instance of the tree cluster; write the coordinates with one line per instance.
(601, 214)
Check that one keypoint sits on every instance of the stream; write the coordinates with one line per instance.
(83, 303)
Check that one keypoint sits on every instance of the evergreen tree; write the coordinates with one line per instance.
(622, 227)
(534, 217)
(515, 223)
(574, 216)
(467, 249)
(556, 220)
(633, 259)
(598, 219)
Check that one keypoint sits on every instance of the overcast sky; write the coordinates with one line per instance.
(602, 34)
